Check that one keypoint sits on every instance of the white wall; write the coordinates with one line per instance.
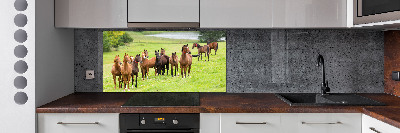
(54, 56)
(16, 118)
(50, 61)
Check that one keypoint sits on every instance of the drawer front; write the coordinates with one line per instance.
(321, 123)
(78, 123)
(250, 123)
(372, 125)
(163, 11)
(329, 123)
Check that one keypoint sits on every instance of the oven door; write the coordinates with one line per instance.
(164, 131)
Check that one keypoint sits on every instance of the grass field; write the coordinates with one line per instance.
(204, 76)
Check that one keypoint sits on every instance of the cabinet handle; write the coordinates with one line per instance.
(310, 123)
(373, 129)
(251, 122)
(77, 123)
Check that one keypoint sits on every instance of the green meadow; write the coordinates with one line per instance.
(205, 76)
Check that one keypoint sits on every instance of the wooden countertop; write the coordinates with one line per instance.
(219, 103)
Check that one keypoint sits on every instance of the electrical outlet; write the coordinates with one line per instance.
(89, 74)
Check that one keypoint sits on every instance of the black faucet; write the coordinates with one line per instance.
(324, 85)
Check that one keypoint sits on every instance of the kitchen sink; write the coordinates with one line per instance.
(317, 99)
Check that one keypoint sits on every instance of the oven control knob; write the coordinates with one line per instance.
(175, 122)
(143, 122)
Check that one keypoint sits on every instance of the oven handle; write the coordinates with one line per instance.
(163, 131)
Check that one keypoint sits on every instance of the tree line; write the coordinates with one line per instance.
(114, 39)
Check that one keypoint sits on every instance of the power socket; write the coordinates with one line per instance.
(396, 75)
(89, 74)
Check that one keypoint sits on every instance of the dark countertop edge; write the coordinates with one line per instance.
(198, 110)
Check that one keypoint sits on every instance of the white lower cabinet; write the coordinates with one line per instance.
(209, 122)
(321, 123)
(78, 123)
(227, 123)
(280, 123)
(372, 125)
(250, 123)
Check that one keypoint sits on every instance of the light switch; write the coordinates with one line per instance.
(89, 74)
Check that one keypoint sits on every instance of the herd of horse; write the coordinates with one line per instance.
(129, 67)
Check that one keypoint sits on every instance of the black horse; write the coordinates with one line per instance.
(158, 62)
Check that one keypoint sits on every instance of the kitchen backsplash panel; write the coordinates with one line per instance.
(264, 60)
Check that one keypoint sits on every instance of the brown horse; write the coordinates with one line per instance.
(145, 64)
(186, 60)
(213, 45)
(202, 49)
(116, 71)
(174, 63)
(135, 68)
(146, 53)
(126, 71)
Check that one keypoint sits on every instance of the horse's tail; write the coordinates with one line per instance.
(208, 50)
(217, 46)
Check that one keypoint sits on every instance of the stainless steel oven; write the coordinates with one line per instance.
(159, 123)
(373, 11)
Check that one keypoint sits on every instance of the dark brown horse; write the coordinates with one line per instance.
(164, 62)
(157, 63)
(116, 71)
(162, 52)
(135, 68)
(202, 49)
(186, 60)
(174, 63)
(213, 45)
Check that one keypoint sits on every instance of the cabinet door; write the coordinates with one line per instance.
(329, 13)
(321, 123)
(250, 123)
(372, 125)
(209, 122)
(309, 13)
(78, 123)
(236, 13)
(90, 13)
(163, 11)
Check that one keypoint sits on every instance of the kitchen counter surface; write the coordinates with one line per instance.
(219, 103)
(387, 115)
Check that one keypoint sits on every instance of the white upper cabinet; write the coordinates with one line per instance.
(309, 13)
(273, 13)
(90, 13)
(210, 13)
(236, 13)
(144, 11)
